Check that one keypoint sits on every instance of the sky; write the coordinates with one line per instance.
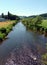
(23, 7)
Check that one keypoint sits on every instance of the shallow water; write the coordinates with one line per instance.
(19, 37)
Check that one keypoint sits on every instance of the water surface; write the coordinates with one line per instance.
(19, 37)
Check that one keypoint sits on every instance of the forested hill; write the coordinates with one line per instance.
(42, 15)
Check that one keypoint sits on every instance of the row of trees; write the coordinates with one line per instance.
(10, 16)
(42, 15)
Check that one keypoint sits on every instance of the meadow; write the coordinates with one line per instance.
(6, 23)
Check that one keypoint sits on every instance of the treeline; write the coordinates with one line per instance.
(42, 15)
(10, 16)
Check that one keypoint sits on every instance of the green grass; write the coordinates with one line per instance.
(44, 59)
(6, 27)
(2, 36)
(44, 23)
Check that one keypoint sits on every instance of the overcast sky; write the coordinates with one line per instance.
(23, 7)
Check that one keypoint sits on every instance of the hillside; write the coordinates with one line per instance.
(44, 15)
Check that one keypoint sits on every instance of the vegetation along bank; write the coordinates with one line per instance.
(6, 27)
(36, 24)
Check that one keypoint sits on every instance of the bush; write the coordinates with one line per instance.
(13, 24)
(38, 28)
(8, 29)
(3, 30)
(42, 29)
(2, 36)
(46, 30)
(44, 59)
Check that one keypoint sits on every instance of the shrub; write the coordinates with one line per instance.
(46, 30)
(14, 24)
(10, 27)
(3, 30)
(38, 28)
(42, 29)
(2, 36)
(7, 31)
(44, 59)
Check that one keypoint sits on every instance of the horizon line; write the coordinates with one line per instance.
(24, 15)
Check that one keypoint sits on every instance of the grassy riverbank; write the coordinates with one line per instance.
(44, 59)
(6, 27)
(36, 24)
(44, 23)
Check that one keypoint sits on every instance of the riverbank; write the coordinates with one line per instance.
(44, 59)
(36, 24)
(39, 28)
(6, 27)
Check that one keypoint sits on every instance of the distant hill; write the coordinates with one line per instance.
(42, 15)
(22, 17)
(33, 16)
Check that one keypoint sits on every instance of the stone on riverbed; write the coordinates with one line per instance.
(33, 57)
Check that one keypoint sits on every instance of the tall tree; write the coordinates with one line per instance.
(2, 15)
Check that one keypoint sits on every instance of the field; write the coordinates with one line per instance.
(6, 24)
(6, 27)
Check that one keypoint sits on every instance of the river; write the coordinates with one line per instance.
(20, 38)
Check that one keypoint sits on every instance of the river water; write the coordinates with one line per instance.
(20, 38)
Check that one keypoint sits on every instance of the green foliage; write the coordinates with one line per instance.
(42, 29)
(2, 36)
(3, 30)
(33, 22)
(2, 15)
(10, 16)
(8, 29)
(46, 30)
(44, 59)
(37, 20)
(44, 24)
